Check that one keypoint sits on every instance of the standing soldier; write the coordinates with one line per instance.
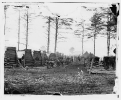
(23, 60)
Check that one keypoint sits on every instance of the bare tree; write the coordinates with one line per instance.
(96, 26)
(110, 24)
(81, 32)
(57, 23)
(109, 20)
(56, 34)
(48, 25)
(66, 23)
(18, 9)
(28, 18)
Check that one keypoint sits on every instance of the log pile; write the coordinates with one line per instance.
(10, 58)
(29, 61)
(37, 58)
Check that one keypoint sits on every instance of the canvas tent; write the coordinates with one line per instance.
(52, 56)
(87, 55)
(86, 58)
(20, 53)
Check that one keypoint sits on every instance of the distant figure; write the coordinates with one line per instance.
(20, 60)
(79, 59)
(23, 57)
(23, 60)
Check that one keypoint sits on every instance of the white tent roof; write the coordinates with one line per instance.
(20, 53)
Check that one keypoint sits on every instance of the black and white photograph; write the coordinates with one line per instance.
(60, 48)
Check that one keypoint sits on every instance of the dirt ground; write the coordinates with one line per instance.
(69, 80)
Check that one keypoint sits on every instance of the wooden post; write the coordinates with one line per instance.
(91, 65)
(24, 62)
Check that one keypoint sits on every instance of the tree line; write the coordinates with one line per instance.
(103, 22)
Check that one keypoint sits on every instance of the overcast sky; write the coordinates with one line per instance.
(37, 28)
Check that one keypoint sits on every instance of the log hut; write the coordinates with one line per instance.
(10, 57)
(29, 61)
(37, 58)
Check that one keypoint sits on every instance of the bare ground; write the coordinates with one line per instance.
(61, 80)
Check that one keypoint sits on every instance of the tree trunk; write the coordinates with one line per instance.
(82, 45)
(108, 35)
(82, 40)
(5, 22)
(48, 44)
(56, 34)
(94, 44)
(19, 31)
(108, 43)
(27, 31)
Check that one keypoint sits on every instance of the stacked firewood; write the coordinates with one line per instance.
(37, 58)
(10, 58)
(29, 61)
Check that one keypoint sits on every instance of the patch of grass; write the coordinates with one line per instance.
(55, 80)
(111, 82)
